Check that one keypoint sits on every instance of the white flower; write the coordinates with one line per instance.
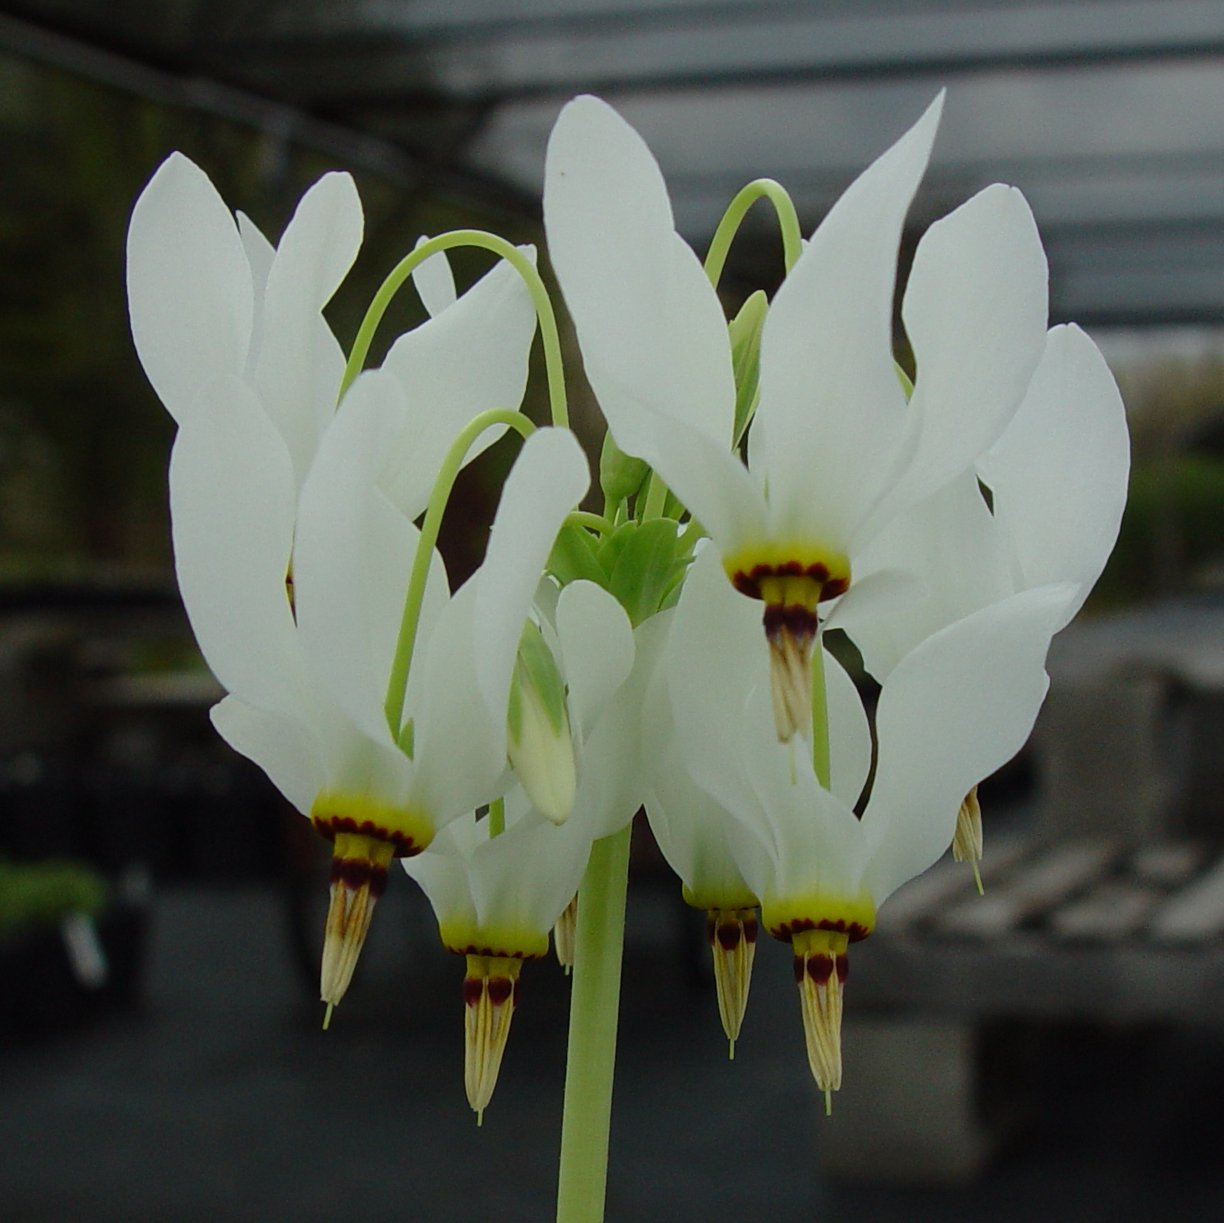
(834, 450)
(210, 298)
(950, 713)
(497, 897)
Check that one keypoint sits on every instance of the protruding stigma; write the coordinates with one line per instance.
(490, 993)
(565, 936)
(358, 879)
(820, 972)
(967, 841)
(733, 935)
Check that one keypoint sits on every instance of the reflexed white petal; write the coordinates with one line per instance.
(285, 749)
(849, 734)
(956, 554)
(711, 482)
(1059, 472)
(460, 752)
(353, 555)
(434, 281)
(548, 479)
(832, 407)
(231, 501)
(297, 371)
(260, 253)
(469, 358)
(652, 331)
(975, 313)
(188, 283)
(597, 649)
(953, 711)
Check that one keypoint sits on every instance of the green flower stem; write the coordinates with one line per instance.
(497, 817)
(724, 235)
(397, 685)
(656, 498)
(596, 522)
(820, 715)
(557, 403)
(591, 1057)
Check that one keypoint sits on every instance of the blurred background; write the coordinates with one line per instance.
(1050, 1050)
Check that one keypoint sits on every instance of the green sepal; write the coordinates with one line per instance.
(745, 334)
(536, 668)
(646, 566)
(620, 474)
(575, 556)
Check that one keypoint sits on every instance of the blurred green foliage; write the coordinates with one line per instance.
(41, 893)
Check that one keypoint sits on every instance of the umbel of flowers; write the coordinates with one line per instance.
(763, 478)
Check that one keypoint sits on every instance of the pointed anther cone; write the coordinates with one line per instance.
(490, 993)
(967, 841)
(565, 935)
(733, 935)
(790, 631)
(820, 972)
(358, 879)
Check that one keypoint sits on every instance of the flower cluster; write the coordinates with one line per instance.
(780, 468)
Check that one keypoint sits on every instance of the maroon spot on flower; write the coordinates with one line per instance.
(355, 873)
(403, 845)
(728, 936)
(473, 987)
(843, 968)
(792, 618)
(750, 928)
(797, 965)
(749, 581)
(500, 989)
(834, 587)
(820, 968)
(785, 931)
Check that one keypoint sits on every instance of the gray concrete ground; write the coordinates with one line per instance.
(219, 1098)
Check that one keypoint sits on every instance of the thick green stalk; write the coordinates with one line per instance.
(724, 235)
(512, 255)
(397, 684)
(591, 1058)
(820, 715)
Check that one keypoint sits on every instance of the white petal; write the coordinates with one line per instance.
(652, 331)
(849, 734)
(1059, 472)
(285, 749)
(434, 281)
(460, 754)
(597, 649)
(189, 285)
(469, 358)
(548, 479)
(831, 404)
(299, 364)
(231, 501)
(353, 555)
(975, 312)
(952, 712)
(955, 552)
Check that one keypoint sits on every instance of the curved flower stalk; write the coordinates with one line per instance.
(209, 297)
(498, 893)
(1056, 480)
(952, 711)
(834, 451)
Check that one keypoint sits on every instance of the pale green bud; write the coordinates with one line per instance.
(540, 746)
